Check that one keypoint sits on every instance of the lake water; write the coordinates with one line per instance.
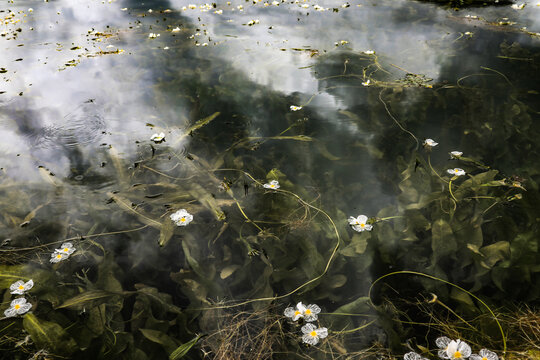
(334, 100)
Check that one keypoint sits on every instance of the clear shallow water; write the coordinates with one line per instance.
(85, 87)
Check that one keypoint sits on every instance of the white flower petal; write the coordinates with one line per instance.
(411, 356)
(289, 312)
(24, 308)
(490, 355)
(28, 285)
(353, 220)
(10, 312)
(311, 340)
(18, 301)
(322, 332)
(368, 227)
(315, 309)
(306, 329)
(464, 349)
(475, 357)
(442, 354)
(442, 342)
(362, 219)
(359, 228)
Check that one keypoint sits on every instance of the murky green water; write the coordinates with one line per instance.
(334, 101)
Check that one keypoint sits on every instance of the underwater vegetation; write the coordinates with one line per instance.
(192, 211)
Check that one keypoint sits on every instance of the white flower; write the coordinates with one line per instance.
(153, 36)
(19, 287)
(274, 184)
(192, 6)
(359, 223)
(181, 217)
(157, 138)
(295, 108)
(518, 6)
(18, 307)
(455, 154)
(366, 83)
(312, 334)
(66, 248)
(430, 143)
(485, 354)
(456, 172)
(176, 29)
(219, 12)
(309, 313)
(413, 356)
(369, 52)
(454, 349)
(58, 256)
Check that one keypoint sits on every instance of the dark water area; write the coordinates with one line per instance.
(335, 101)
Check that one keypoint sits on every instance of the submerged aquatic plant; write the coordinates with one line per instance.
(20, 287)
(274, 184)
(360, 223)
(312, 334)
(181, 217)
(18, 306)
(308, 313)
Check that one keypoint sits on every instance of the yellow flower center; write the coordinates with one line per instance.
(313, 333)
(21, 287)
(484, 358)
(272, 185)
(66, 249)
(183, 219)
(17, 307)
(362, 225)
(457, 355)
(59, 256)
(296, 313)
(308, 312)
(456, 171)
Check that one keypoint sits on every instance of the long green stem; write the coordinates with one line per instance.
(450, 189)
